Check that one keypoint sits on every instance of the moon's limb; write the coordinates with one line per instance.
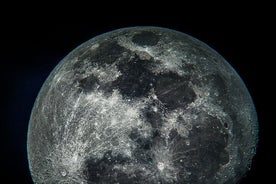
(142, 105)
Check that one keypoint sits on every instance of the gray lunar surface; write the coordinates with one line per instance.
(142, 105)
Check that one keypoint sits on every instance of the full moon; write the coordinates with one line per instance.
(142, 105)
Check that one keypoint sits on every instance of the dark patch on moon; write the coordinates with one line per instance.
(136, 79)
(146, 38)
(205, 155)
(142, 143)
(174, 91)
(112, 52)
(111, 49)
(102, 170)
(89, 83)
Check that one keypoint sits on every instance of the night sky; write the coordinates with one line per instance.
(31, 49)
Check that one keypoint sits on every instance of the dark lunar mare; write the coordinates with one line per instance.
(102, 171)
(146, 38)
(136, 79)
(204, 155)
(106, 53)
(173, 91)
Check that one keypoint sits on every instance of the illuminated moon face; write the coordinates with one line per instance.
(142, 105)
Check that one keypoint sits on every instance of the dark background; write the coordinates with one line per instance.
(33, 43)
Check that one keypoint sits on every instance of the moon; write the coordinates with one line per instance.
(142, 105)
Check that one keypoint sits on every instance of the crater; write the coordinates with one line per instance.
(225, 125)
(63, 172)
(107, 52)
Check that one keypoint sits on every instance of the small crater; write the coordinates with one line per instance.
(146, 38)
(188, 142)
(160, 166)
(226, 125)
(63, 172)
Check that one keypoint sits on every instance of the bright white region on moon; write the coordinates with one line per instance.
(142, 105)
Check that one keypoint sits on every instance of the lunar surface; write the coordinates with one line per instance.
(142, 105)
